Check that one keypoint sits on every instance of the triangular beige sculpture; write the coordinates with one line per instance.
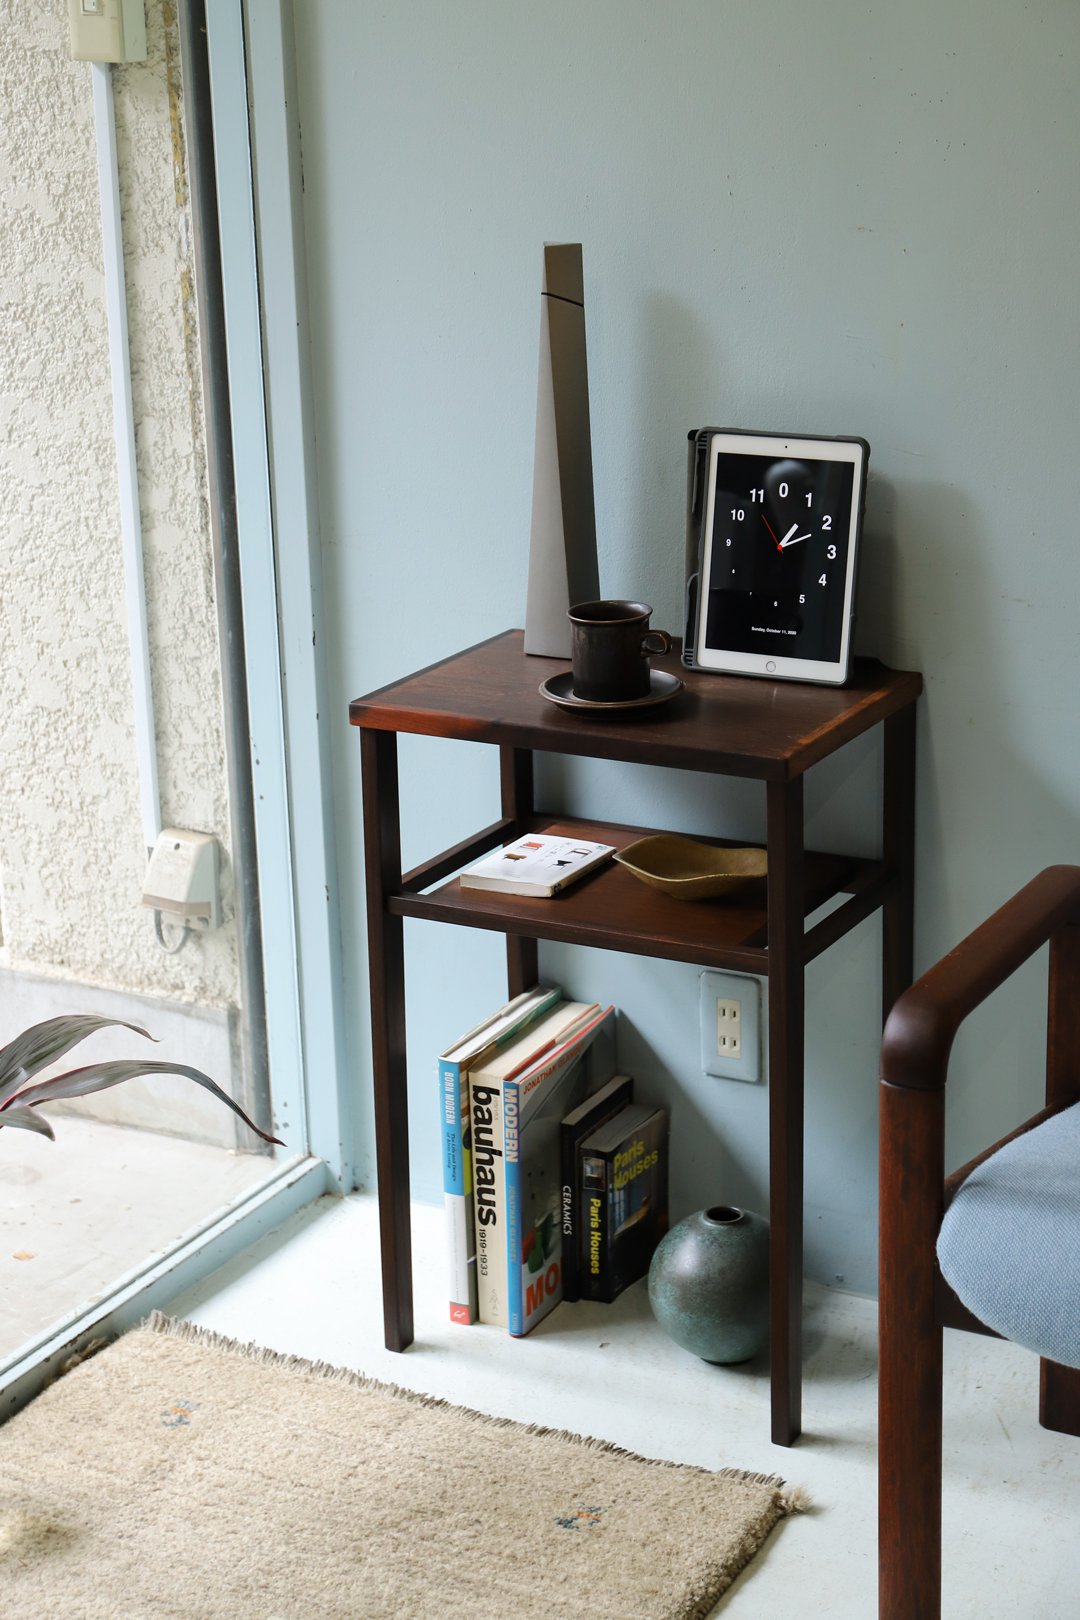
(562, 549)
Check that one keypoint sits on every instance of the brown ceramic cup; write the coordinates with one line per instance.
(611, 646)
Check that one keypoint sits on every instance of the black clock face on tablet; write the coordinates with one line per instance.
(778, 569)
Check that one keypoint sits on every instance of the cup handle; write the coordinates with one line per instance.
(655, 635)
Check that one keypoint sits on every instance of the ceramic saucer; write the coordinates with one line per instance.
(560, 689)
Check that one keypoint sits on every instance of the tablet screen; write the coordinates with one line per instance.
(781, 528)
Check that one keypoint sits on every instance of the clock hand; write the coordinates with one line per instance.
(768, 525)
(789, 534)
(788, 541)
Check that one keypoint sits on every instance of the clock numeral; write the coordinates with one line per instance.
(822, 580)
(809, 498)
(802, 598)
(757, 495)
(727, 542)
(739, 515)
(782, 491)
(826, 522)
(831, 553)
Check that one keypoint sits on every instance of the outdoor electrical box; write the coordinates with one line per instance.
(107, 30)
(183, 878)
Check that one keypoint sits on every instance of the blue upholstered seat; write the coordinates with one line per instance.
(1010, 1242)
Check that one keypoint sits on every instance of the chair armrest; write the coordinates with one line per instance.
(923, 1023)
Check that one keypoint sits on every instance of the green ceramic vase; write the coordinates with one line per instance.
(709, 1284)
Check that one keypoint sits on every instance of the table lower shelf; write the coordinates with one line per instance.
(613, 910)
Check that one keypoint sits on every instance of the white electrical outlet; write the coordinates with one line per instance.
(731, 1026)
(728, 1029)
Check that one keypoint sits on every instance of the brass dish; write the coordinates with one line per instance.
(690, 871)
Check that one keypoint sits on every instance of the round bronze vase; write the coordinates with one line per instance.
(709, 1284)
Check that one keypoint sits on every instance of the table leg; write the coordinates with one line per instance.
(386, 967)
(786, 1011)
(898, 846)
(516, 784)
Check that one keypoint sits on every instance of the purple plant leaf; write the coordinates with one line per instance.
(42, 1044)
(25, 1119)
(100, 1076)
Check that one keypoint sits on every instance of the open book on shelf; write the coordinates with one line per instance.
(537, 864)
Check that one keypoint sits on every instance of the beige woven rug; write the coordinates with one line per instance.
(180, 1474)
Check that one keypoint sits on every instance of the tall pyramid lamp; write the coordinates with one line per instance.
(562, 550)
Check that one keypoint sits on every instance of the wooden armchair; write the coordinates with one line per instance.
(915, 1300)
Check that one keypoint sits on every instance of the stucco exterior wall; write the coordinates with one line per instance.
(71, 848)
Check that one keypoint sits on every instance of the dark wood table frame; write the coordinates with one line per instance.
(725, 726)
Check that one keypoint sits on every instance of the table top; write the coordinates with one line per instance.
(731, 725)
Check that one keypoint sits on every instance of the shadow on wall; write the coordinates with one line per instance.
(704, 1168)
(875, 595)
(952, 614)
(642, 527)
(929, 600)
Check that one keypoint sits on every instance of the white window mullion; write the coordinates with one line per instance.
(228, 87)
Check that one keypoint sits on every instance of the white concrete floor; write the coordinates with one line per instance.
(77, 1214)
(1012, 1495)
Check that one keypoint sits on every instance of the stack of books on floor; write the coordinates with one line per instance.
(555, 1179)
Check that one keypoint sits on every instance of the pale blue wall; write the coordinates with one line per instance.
(823, 217)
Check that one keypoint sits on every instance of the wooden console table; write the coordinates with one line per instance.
(723, 725)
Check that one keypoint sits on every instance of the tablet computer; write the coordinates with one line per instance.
(773, 528)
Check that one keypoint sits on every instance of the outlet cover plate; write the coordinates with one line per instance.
(746, 990)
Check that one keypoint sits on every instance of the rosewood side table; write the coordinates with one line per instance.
(723, 725)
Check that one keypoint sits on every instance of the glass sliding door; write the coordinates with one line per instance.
(126, 698)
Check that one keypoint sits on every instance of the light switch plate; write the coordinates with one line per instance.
(731, 1044)
(107, 30)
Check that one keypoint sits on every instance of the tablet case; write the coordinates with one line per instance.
(697, 493)
(697, 478)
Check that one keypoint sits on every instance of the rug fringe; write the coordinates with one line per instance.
(172, 1327)
(798, 1500)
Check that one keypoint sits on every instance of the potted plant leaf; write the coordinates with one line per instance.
(42, 1044)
